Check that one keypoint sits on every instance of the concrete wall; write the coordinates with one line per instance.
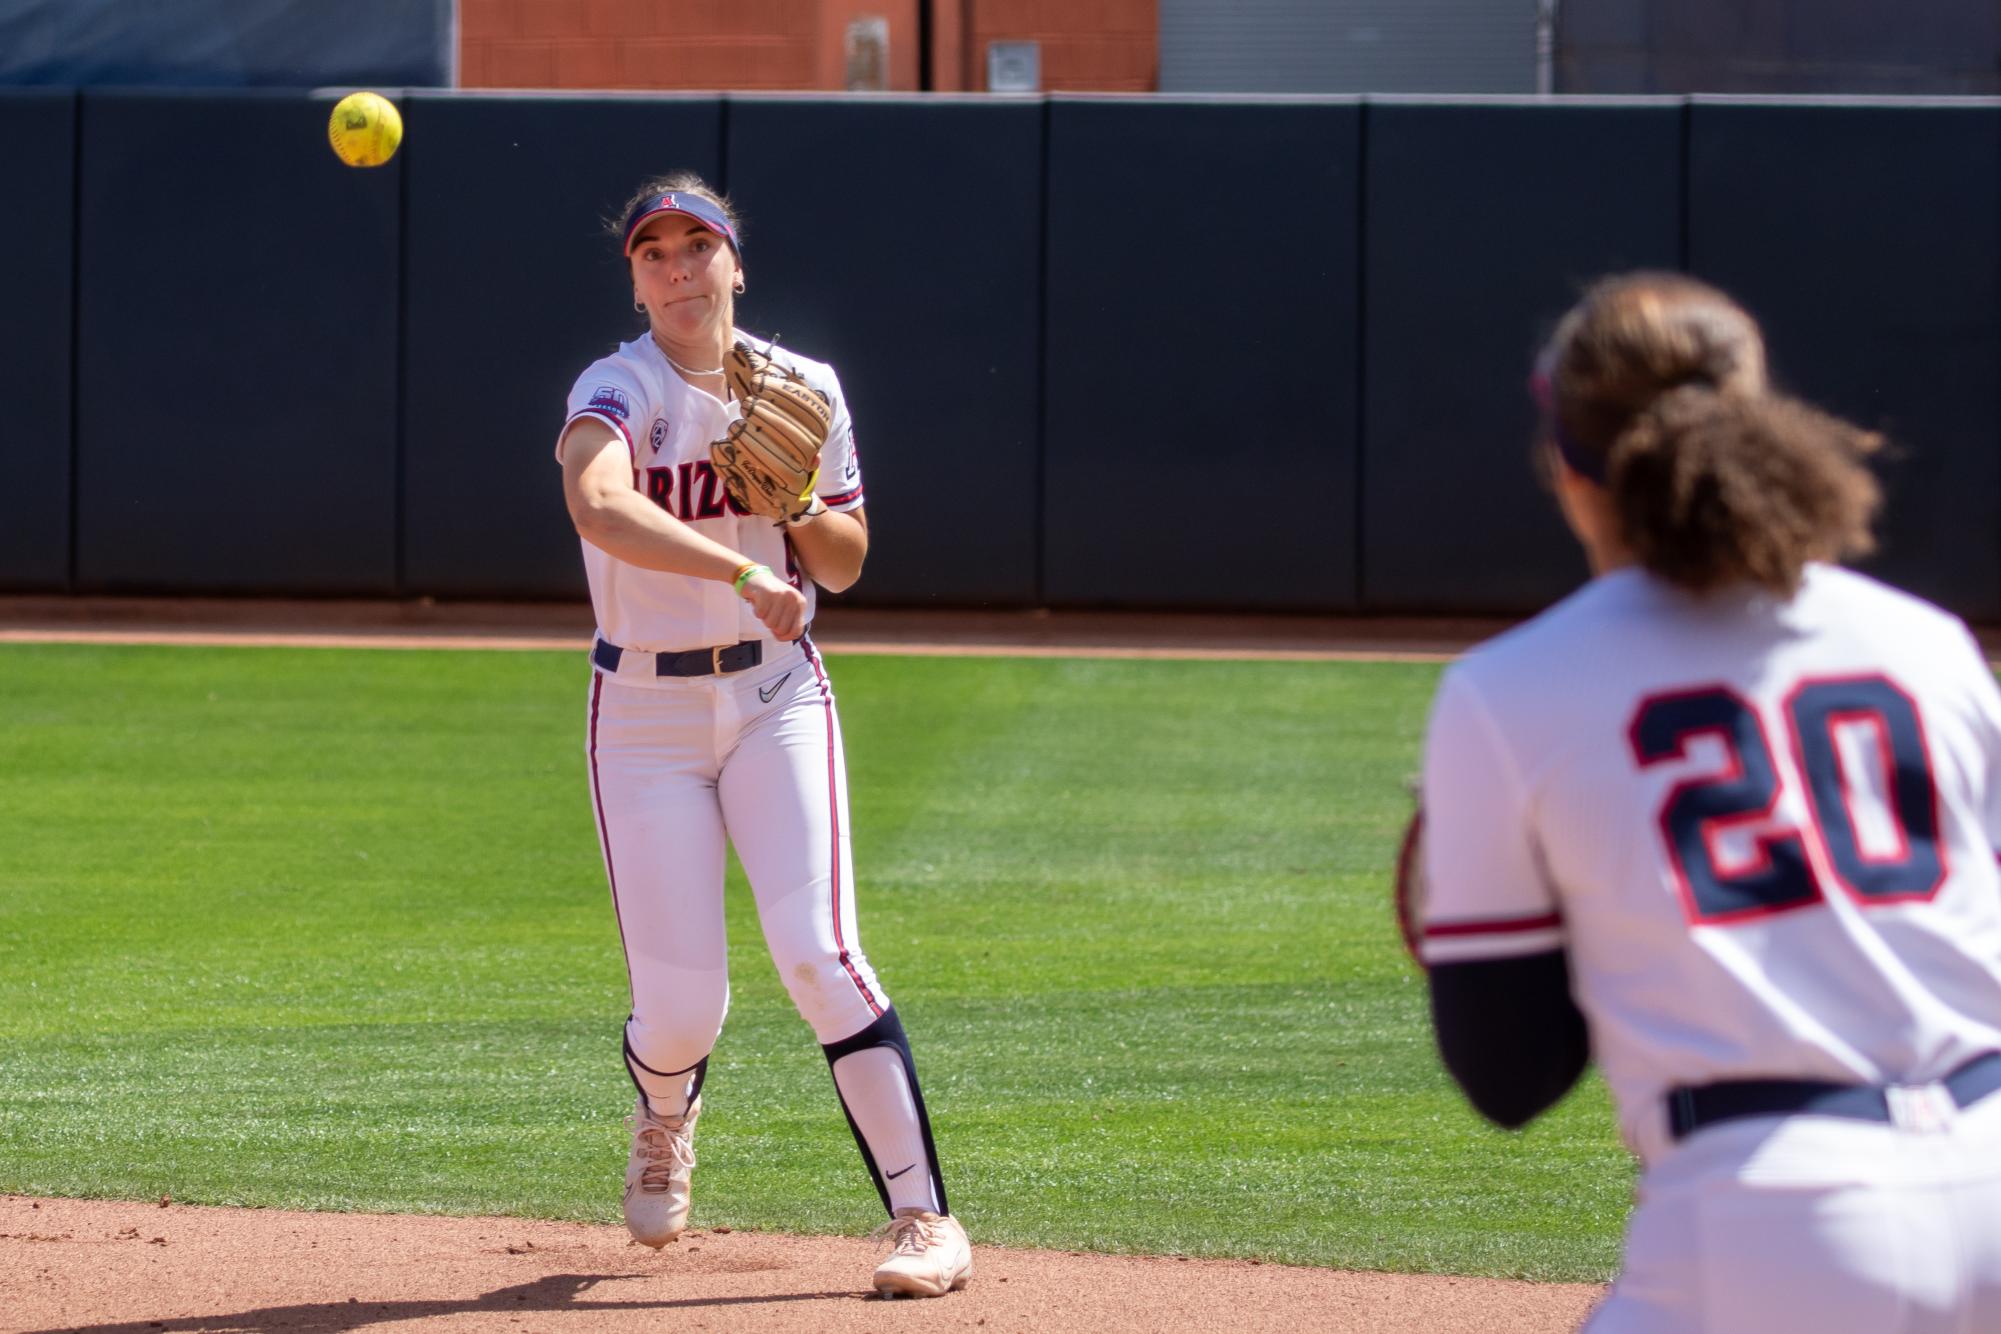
(1347, 46)
(1777, 46)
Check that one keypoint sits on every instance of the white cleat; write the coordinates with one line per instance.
(657, 1174)
(929, 1255)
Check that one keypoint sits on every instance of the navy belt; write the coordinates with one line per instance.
(694, 662)
(1690, 1109)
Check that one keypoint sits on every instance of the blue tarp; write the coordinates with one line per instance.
(228, 43)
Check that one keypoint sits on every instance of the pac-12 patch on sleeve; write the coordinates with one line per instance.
(611, 400)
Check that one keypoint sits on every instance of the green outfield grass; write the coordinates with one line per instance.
(328, 929)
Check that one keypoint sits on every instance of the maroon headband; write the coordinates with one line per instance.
(1543, 389)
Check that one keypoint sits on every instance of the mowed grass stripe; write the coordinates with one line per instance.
(328, 929)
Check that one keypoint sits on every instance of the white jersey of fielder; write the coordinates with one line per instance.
(667, 425)
(1763, 829)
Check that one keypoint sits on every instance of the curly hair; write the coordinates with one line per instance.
(1659, 380)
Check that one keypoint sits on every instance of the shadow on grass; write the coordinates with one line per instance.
(555, 1294)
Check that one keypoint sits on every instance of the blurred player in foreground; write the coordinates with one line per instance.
(712, 717)
(1726, 817)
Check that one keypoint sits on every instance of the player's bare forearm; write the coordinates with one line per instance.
(632, 528)
(831, 547)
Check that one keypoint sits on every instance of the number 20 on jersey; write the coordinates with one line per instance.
(1782, 876)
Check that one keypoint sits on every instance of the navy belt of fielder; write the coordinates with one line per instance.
(694, 662)
(1692, 1108)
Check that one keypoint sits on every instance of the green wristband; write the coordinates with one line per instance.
(744, 578)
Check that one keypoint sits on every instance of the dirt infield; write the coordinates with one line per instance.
(136, 1268)
(421, 623)
(141, 1267)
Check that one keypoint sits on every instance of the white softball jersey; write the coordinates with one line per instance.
(1763, 829)
(683, 767)
(667, 425)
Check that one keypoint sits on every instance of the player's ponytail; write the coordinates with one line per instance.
(1656, 389)
(1713, 489)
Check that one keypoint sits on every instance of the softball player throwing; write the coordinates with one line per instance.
(1727, 817)
(711, 717)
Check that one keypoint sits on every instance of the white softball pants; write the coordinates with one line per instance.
(678, 766)
(1817, 1223)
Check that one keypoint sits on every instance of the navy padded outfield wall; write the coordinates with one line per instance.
(909, 257)
(37, 223)
(512, 286)
(236, 357)
(1188, 353)
(1199, 400)
(1484, 222)
(1864, 239)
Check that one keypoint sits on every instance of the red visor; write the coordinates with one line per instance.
(694, 206)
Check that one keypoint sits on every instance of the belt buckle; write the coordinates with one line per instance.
(716, 661)
(1924, 1108)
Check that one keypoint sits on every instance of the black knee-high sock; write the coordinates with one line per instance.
(881, 1079)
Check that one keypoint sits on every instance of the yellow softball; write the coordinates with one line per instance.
(365, 129)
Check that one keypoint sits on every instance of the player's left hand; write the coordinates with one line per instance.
(778, 604)
(770, 460)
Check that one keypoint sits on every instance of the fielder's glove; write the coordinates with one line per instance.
(1410, 887)
(770, 461)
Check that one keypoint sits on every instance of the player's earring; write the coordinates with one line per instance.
(639, 305)
(737, 287)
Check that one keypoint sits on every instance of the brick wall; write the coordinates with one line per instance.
(1087, 45)
(1099, 46)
